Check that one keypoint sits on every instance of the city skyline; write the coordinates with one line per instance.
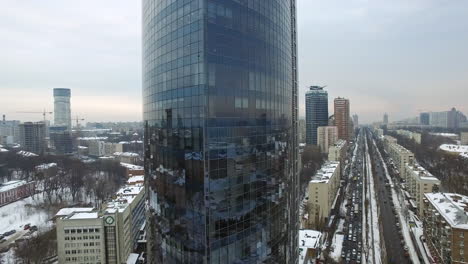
(363, 61)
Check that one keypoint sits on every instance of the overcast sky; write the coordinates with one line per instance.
(395, 56)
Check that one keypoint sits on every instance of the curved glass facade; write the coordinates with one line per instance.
(220, 108)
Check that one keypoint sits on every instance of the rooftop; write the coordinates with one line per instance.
(326, 172)
(452, 207)
(126, 154)
(136, 179)
(131, 166)
(46, 166)
(11, 185)
(70, 210)
(462, 150)
(26, 153)
(308, 239)
(422, 172)
(83, 215)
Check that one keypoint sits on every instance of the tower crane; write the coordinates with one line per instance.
(78, 119)
(44, 113)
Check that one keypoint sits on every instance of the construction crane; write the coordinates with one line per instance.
(44, 113)
(77, 119)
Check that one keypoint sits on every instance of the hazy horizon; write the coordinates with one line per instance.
(398, 57)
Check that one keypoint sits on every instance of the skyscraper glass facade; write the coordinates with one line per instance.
(220, 108)
(316, 112)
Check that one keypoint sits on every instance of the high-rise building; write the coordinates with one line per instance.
(439, 119)
(356, 120)
(424, 119)
(342, 118)
(326, 137)
(9, 131)
(62, 112)
(385, 119)
(32, 137)
(60, 140)
(316, 112)
(220, 111)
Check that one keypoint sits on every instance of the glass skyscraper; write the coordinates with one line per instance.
(316, 112)
(220, 111)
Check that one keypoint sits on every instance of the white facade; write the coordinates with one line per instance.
(326, 136)
(464, 138)
(419, 182)
(62, 111)
(439, 119)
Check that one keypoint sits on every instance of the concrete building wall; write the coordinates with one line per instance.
(464, 138)
(326, 137)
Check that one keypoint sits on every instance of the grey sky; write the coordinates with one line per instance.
(397, 56)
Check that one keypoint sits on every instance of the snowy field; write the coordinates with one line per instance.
(26, 211)
(337, 242)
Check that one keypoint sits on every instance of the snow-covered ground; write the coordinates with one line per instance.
(398, 200)
(373, 217)
(337, 242)
(25, 211)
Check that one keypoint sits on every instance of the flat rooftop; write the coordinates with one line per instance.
(11, 185)
(326, 172)
(451, 207)
(69, 210)
(423, 173)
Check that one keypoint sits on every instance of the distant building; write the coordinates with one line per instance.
(410, 135)
(301, 129)
(62, 111)
(342, 118)
(399, 155)
(322, 192)
(96, 148)
(439, 119)
(356, 121)
(9, 131)
(133, 170)
(14, 190)
(418, 182)
(316, 112)
(127, 157)
(106, 236)
(61, 140)
(464, 138)
(337, 151)
(445, 222)
(385, 119)
(424, 119)
(33, 137)
(326, 136)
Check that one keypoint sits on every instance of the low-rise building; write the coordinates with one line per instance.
(127, 157)
(108, 235)
(15, 190)
(309, 244)
(410, 135)
(326, 137)
(322, 192)
(445, 221)
(420, 181)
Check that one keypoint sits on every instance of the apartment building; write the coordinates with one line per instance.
(326, 137)
(108, 235)
(445, 219)
(322, 192)
(337, 152)
(399, 155)
(410, 135)
(420, 181)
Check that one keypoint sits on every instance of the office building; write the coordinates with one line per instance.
(61, 140)
(356, 121)
(342, 118)
(322, 192)
(109, 235)
(316, 112)
(32, 137)
(9, 131)
(220, 112)
(439, 119)
(385, 119)
(419, 182)
(445, 223)
(326, 136)
(62, 111)
(301, 130)
(424, 119)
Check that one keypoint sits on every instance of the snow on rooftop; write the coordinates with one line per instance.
(444, 134)
(11, 185)
(92, 138)
(3, 150)
(69, 210)
(422, 172)
(131, 166)
(82, 147)
(126, 154)
(84, 215)
(325, 173)
(46, 166)
(452, 207)
(309, 238)
(462, 150)
(132, 258)
(136, 179)
(26, 153)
